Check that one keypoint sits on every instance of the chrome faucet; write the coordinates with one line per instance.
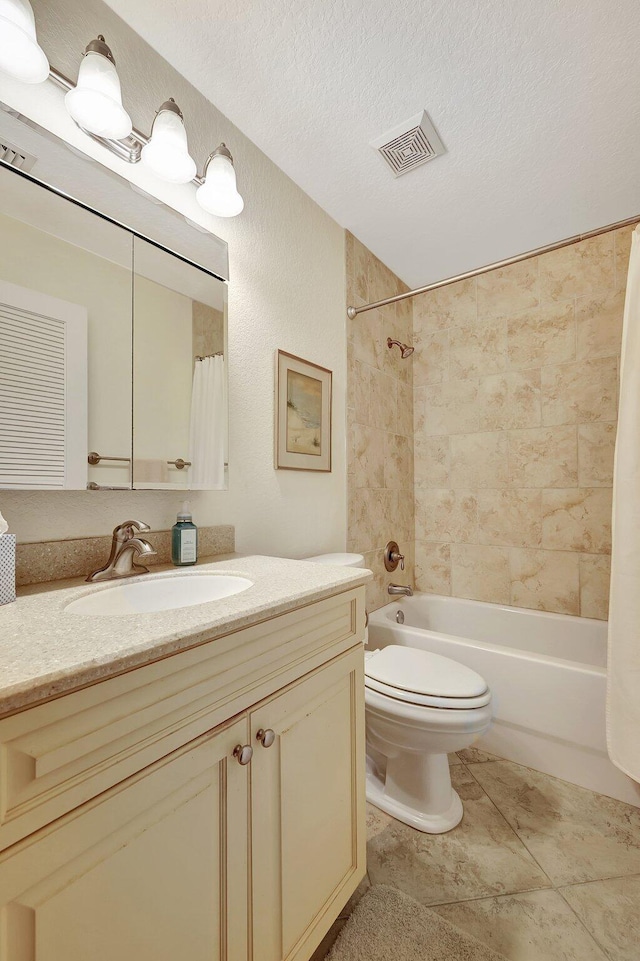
(394, 589)
(125, 547)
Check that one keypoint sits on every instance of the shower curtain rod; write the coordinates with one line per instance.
(354, 311)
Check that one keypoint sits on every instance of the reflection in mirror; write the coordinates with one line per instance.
(65, 342)
(180, 420)
(66, 330)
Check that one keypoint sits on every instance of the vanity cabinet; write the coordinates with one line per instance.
(177, 849)
(307, 809)
(142, 871)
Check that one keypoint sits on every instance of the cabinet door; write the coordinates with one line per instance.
(153, 870)
(307, 801)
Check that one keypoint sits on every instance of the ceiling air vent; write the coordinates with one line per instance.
(411, 144)
(15, 157)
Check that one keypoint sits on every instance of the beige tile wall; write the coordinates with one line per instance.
(380, 422)
(515, 402)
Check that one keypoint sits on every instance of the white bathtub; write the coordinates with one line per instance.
(547, 674)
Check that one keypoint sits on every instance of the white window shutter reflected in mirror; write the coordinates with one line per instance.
(43, 391)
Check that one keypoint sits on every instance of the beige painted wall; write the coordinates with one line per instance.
(515, 388)
(380, 418)
(286, 291)
(163, 373)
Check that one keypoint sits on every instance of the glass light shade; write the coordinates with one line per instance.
(20, 55)
(167, 153)
(96, 102)
(218, 194)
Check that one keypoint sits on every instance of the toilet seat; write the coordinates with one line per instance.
(426, 700)
(424, 679)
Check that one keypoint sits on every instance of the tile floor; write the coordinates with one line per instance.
(539, 869)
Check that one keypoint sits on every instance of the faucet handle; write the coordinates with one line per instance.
(128, 529)
(393, 557)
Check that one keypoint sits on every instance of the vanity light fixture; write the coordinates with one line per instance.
(218, 194)
(95, 104)
(20, 55)
(96, 101)
(167, 153)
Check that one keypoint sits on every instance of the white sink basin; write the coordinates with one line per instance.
(159, 593)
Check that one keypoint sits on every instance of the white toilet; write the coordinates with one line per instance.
(419, 708)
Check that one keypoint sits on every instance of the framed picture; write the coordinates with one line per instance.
(303, 414)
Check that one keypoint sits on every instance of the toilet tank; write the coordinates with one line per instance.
(338, 559)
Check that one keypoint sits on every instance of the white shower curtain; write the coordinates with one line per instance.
(623, 686)
(208, 432)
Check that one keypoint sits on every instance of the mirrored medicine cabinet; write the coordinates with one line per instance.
(113, 344)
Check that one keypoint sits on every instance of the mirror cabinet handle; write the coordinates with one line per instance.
(94, 458)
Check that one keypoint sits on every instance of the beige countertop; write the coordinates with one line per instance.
(46, 650)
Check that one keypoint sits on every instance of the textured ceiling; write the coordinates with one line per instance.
(538, 105)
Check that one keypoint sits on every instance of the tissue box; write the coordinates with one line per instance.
(7, 568)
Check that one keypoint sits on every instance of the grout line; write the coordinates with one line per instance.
(512, 829)
(487, 897)
(613, 877)
(516, 894)
(591, 936)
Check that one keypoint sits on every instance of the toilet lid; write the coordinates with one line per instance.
(338, 560)
(426, 700)
(421, 672)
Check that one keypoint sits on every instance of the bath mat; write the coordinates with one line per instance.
(387, 925)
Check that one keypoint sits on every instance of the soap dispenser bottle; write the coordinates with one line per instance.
(184, 539)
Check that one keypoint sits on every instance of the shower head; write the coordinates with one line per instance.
(405, 349)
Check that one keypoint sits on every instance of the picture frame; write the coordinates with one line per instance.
(303, 414)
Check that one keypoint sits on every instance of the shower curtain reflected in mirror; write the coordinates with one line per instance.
(623, 691)
(208, 428)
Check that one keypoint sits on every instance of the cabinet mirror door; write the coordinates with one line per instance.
(180, 421)
(65, 343)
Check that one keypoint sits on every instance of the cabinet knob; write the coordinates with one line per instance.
(267, 737)
(243, 753)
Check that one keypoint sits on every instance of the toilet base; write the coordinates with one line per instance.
(437, 822)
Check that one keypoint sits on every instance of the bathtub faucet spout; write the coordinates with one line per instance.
(394, 589)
